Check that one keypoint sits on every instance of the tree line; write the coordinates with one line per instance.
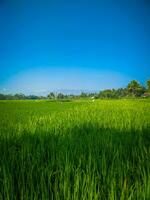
(133, 90)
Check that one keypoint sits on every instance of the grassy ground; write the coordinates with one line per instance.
(75, 150)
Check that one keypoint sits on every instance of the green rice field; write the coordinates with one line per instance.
(75, 150)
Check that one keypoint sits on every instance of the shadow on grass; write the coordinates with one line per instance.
(81, 162)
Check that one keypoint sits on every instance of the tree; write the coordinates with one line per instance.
(135, 89)
(148, 85)
(2, 97)
(60, 96)
(83, 95)
(105, 94)
(51, 95)
(32, 97)
(19, 96)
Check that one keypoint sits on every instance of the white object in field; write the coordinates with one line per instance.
(93, 99)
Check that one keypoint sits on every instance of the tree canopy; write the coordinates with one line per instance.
(133, 89)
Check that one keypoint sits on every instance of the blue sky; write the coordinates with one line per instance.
(73, 44)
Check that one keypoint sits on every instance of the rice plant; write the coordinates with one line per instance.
(75, 150)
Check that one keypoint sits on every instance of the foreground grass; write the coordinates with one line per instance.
(75, 150)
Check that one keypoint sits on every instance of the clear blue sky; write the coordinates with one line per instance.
(73, 44)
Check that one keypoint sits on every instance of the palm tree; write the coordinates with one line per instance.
(135, 89)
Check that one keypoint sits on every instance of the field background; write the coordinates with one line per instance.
(75, 150)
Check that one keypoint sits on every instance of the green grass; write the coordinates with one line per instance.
(75, 150)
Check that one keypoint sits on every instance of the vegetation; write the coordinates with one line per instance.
(19, 97)
(133, 89)
(75, 150)
(148, 85)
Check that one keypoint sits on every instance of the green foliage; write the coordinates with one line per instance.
(51, 95)
(60, 96)
(83, 95)
(19, 97)
(135, 89)
(75, 150)
(114, 93)
(148, 85)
